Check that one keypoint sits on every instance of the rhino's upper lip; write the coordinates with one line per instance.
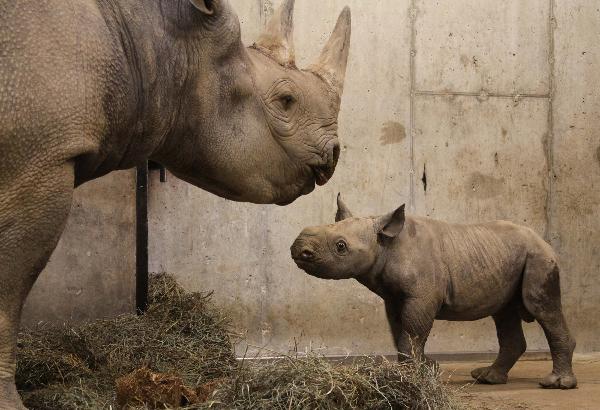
(322, 173)
(302, 262)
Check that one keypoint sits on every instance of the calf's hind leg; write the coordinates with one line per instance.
(541, 296)
(33, 210)
(512, 346)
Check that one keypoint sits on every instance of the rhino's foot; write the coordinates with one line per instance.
(555, 381)
(9, 397)
(489, 375)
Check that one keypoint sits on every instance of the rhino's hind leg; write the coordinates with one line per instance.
(512, 346)
(33, 210)
(541, 296)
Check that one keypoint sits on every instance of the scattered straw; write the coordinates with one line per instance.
(184, 345)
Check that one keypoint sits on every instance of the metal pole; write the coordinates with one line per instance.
(141, 248)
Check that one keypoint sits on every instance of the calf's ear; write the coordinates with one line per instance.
(205, 6)
(342, 212)
(391, 225)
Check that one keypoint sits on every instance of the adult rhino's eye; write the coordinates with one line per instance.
(287, 101)
(341, 246)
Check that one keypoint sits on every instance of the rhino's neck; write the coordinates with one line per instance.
(151, 37)
(373, 278)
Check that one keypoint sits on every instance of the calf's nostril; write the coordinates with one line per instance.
(306, 255)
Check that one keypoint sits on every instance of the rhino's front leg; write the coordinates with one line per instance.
(411, 321)
(33, 209)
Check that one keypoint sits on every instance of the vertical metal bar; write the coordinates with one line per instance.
(141, 249)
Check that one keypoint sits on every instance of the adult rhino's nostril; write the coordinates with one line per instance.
(336, 153)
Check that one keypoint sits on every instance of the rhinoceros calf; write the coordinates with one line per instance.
(91, 86)
(426, 269)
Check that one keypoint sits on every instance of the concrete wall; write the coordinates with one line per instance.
(496, 103)
(92, 271)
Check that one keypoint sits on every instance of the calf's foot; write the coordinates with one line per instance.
(556, 381)
(489, 375)
(9, 397)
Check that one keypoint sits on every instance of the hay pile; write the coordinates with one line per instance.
(76, 367)
(185, 344)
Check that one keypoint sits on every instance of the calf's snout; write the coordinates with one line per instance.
(303, 247)
(305, 255)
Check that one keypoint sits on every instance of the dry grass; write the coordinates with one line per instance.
(76, 367)
(183, 337)
(315, 383)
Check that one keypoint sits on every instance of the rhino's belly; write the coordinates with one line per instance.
(475, 296)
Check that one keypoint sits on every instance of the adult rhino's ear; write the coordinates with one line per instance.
(342, 212)
(277, 41)
(205, 6)
(391, 225)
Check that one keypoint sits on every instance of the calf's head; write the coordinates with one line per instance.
(349, 248)
(260, 129)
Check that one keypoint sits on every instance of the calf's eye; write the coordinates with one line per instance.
(341, 246)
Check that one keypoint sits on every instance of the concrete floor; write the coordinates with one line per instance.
(522, 391)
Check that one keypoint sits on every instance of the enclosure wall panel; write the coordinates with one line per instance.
(486, 45)
(481, 160)
(91, 273)
(575, 229)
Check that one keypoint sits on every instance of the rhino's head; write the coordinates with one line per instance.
(260, 129)
(350, 248)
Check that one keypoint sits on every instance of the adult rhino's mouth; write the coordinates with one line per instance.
(324, 172)
(321, 174)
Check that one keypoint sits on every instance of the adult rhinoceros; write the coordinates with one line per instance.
(92, 86)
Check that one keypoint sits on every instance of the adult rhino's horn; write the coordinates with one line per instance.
(277, 41)
(332, 63)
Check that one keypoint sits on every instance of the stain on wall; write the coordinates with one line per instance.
(484, 186)
(392, 132)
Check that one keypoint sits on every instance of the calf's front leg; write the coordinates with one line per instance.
(411, 321)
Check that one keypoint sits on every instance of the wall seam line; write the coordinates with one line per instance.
(266, 11)
(412, 73)
(516, 96)
(550, 124)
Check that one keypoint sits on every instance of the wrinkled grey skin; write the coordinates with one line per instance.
(426, 269)
(92, 86)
